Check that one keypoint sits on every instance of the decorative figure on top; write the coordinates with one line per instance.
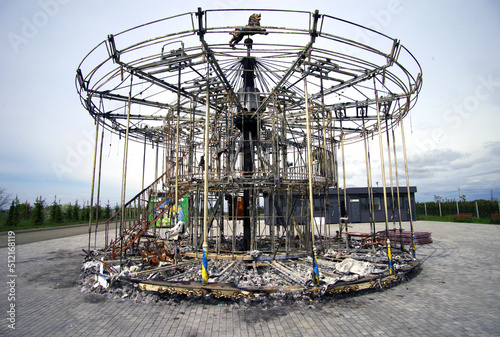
(252, 28)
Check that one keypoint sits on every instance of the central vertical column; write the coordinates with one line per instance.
(247, 122)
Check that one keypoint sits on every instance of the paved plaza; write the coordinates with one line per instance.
(456, 293)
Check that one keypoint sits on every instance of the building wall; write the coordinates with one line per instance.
(357, 208)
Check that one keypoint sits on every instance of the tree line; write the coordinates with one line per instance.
(56, 213)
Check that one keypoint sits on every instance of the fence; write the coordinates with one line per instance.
(479, 208)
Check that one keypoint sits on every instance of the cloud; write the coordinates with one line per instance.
(444, 171)
(450, 132)
(492, 148)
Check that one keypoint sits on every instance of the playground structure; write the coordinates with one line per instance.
(236, 123)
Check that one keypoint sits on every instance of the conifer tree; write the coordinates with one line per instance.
(37, 217)
(76, 211)
(55, 212)
(13, 218)
(25, 210)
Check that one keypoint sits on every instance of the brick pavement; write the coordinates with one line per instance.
(457, 293)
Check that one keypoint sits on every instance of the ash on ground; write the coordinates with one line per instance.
(259, 279)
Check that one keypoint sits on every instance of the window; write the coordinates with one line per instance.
(318, 203)
(365, 203)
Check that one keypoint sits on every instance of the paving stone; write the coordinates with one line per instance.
(456, 293)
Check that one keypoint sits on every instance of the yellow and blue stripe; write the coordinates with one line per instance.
(316, 270)
(204, 268)
(389, 256)
(414, 250)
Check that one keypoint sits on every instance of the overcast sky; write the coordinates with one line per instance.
(46, 139)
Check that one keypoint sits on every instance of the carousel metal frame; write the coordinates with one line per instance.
(265, 116)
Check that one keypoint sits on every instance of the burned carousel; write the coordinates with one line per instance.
(250, 123)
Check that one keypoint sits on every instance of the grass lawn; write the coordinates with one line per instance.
(27, 224)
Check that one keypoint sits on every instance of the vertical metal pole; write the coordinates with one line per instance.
(99, 188)
(368, 184)
(220, 220)
(93, 181)
(370, 187)
(382, 164)
(176, 198)
(144, 163)
(154, 194)
(124, 172)
(196, 223)
(326, 193)
(204, 268)
(388, 242)
(157, 163)
(477, 210)
(234, 201)
(397, 189)
(390, 173)
(143, 203)
(343, 178)
(408, 189)
(276, 167)
(338, 197)
(310, 176)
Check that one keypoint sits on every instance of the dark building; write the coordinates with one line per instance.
(356, 206)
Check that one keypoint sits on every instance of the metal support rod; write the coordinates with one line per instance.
(176, 197)
(235, 212)
(338, 197)
(397, 189)
(196, 222)
(408, 189)
(368, 184)
(326, 193)
(370, 188)
(276, 166)
(155, 187)
(124, 172)
(93, 180)
(99, 187)
(144, 163)
(310, 176)
(143, 203)
(156, 164)
(344, 183)
(390, 168)
(204, 270)
(382, 164)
